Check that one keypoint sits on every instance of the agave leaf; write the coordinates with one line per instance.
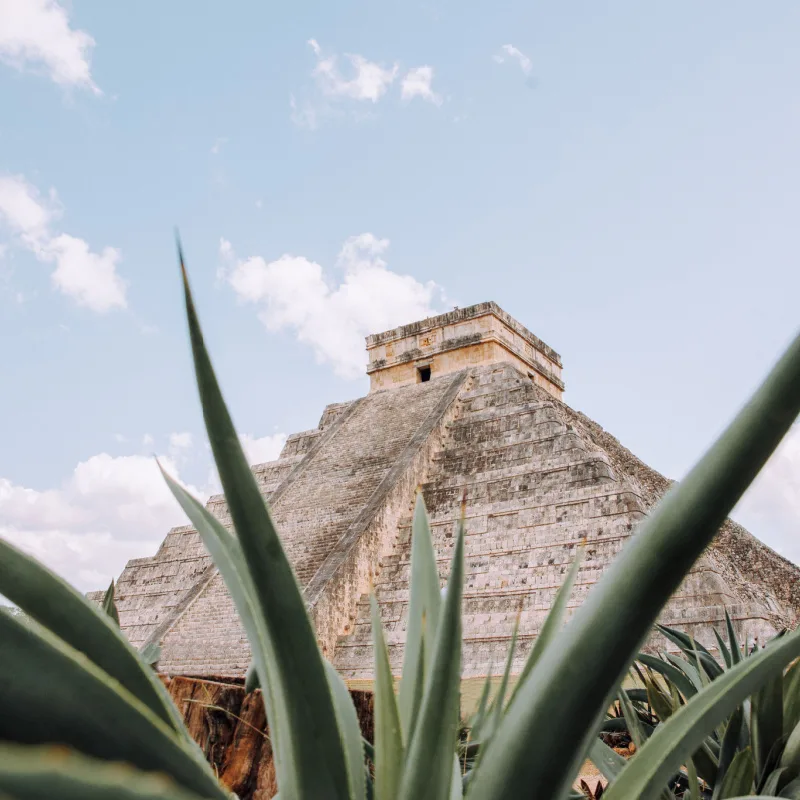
(428, 766)
(791, 790)
(50, 693)
(638, 695)
(495, 713)
(608, 761)
(551, 625)
(736, 653)
(730, 743)
(479, 717)
(773, 781)
(661, 704)
(766, 723)
(694, 785)
(702, 669)
(706, 761)
(638, 731)
(419, 686)
(229, 559)
(150, 653)
(689, 669)
(500, 700)
(739, 778)
(388, 736)
(109, 604)
(697, 655)
(350, 732)
(632, 720)
(456, 786)
(790, 759)
(33, 773)
(251, 679)
(791, 698)
(684, 732)
(723, 649)
(423, 610)
(672, 674)
(52, 602)
(311, 745)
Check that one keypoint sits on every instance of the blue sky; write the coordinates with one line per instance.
(623, 179)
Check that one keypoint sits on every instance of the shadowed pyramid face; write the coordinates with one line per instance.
(538, 476)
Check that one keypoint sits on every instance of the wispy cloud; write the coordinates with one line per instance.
(510, 53)
(89, 278)
(36, 34)
(354, 78)
(417, 83)
(367, 80)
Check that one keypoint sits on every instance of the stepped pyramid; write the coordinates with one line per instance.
(466, 402)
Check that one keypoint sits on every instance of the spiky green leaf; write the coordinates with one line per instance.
(110, 605)
(766, 724)
(52, 694)
(685, 731)
(350, 732)
(739, 777)
(51, 601)
(388, 736)
(34, 773)
(423, 611)
(311, 747)
(428, 767)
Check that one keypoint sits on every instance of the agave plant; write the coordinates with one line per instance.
(69, 678)
(756, 749)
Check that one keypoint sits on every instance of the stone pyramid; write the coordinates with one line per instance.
(469, 401)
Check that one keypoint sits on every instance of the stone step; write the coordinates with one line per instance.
(490, 643)
(585, 473)
(551, 496)
(459, 458)
(539, 410)
(532, 541)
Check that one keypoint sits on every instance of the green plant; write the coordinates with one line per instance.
(70, 677)
(756, 749)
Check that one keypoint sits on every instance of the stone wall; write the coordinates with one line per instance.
(468, 337)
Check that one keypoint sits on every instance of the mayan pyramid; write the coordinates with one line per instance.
(469, 401)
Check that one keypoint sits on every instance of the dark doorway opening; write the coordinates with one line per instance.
(424, 374)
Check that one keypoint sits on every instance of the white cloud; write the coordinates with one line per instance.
(261, 450)
(771, 507)
(37, 34)
(180, 441)
(417, 83)
(109, 510)
(25, 211)
(369, 81)
(89, 278)
(217, 146)
(359, 80)
(508, 51)
(334, 314)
